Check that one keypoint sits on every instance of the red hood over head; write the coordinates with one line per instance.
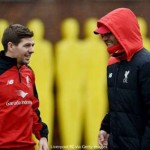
(124, 25)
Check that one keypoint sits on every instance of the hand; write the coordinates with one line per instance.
(43, 144)
(103, 139)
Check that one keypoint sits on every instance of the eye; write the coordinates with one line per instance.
(106, 34)
(29, 45)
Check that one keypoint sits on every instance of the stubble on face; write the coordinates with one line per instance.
(109, 39)
(24, 50)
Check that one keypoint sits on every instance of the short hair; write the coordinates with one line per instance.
(14, 33)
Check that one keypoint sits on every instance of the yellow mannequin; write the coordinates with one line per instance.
(42, 64)
(3, 25)
(69, 84)
(144, 31)
(96, 103)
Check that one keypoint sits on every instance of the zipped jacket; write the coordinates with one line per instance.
(128, 119)
(19, 114)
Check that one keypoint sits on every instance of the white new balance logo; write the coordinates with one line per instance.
(9, 82)
(21, 93)
(125, 80)
(110, 75)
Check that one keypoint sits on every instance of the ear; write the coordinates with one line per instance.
(10, 46)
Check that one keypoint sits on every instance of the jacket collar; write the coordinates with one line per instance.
(8, 60)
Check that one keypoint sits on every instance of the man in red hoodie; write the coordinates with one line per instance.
(127, 124)
(19, 113)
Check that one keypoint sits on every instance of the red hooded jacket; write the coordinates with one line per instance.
(19, 114)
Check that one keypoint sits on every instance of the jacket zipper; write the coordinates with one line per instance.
(117, 74)
(116, 81)
(19, 74)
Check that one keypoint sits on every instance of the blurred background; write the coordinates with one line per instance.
(70, 62)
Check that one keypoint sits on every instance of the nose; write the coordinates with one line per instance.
(31, 50)
(104, 37)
